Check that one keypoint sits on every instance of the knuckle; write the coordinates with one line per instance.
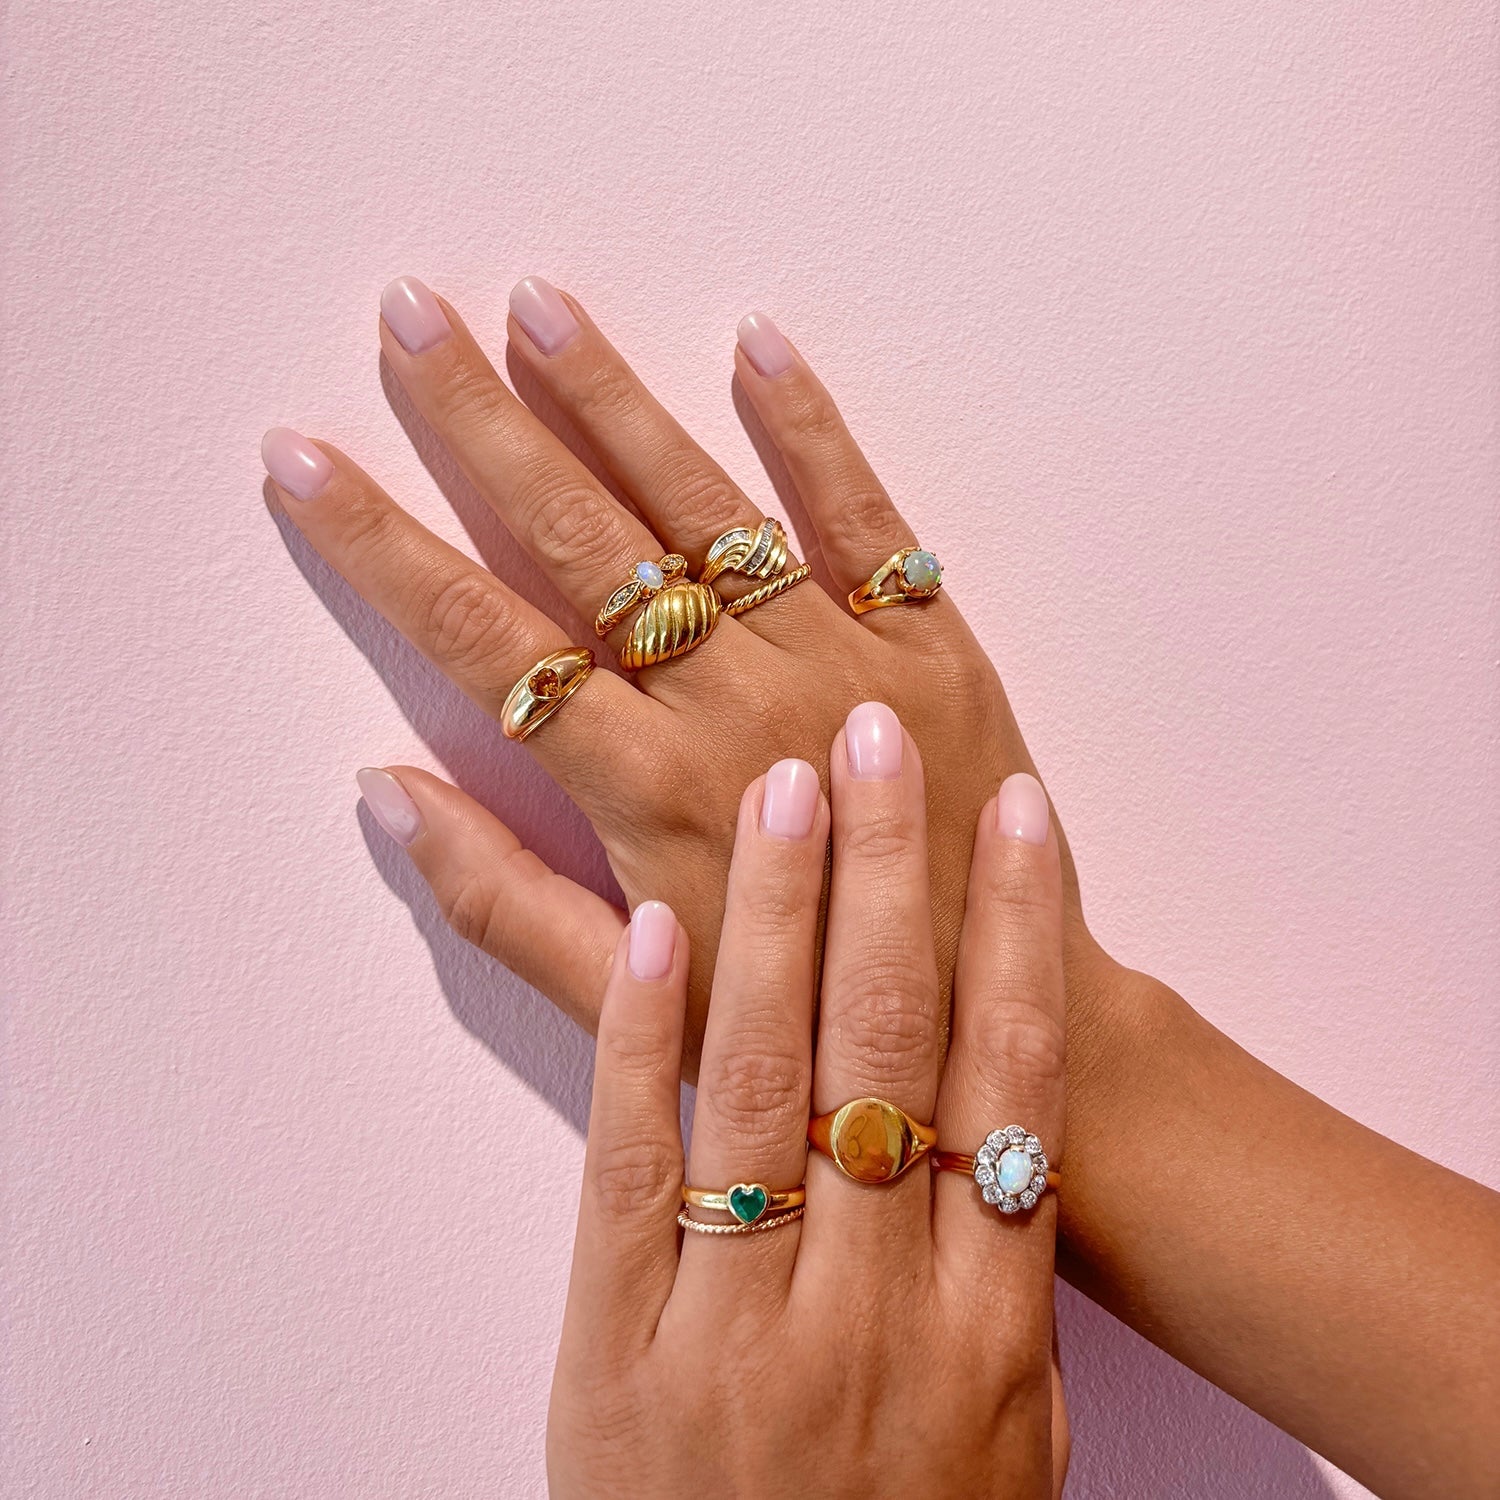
(1026, 1042)
(467, 622)
(879, 840)
(699, 491)
(569, 521)
(634, 1176)
(890, 1023)
(812, 419)
(609, 390)
(863, 507)
(468, 905)
(470, 399)
(368, 524)
(755, 1087)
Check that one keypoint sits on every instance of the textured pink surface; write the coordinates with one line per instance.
(1173, 326)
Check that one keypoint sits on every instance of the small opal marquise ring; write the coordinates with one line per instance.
(1010, 1168)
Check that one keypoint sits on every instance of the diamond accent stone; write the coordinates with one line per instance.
(1015, 1135)
(1039, 1162)
(995, 1140)
(992, 1194)
(1028, 1199)
(1033, 1145)
(984, 1174)
(1039, 1185)
(1009, 1205)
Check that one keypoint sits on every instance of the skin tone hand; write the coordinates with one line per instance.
(895, 1341)
(1219, 1243)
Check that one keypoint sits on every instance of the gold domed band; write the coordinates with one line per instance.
(544, 690)
(677, 620)
(778, 585)
(870, 1140)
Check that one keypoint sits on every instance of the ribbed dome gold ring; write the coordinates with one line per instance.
(676, 621)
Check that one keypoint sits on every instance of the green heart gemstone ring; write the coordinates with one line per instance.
(748, 1203)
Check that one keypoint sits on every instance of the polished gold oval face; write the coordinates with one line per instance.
(870, 1140)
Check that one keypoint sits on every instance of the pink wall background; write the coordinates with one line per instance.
(1174, 327)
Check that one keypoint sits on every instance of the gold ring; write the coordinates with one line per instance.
(1010, 1168)
(769, 590)
(646, 583)
(917, 574)
(544, 689)
(870, 1140)
(747, 1201)
(774, 1222)
(676, 621)
(757, 552)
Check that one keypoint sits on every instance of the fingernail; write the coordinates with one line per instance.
(765, 345)
(1022, 808)
(653, 940)
(872, 737)
(790, 801)
(390, 804)
(539, 308)
(298, 466)
(412, 313)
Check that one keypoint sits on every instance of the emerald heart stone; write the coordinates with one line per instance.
(747, 1201)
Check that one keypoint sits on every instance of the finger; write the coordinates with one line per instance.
(1005, 1061)
(584, 540)
(879, 1022)
(625, 1252)
(495, 893)
(858, 526)
(457, 614)
(686, 497)
(755, 1077)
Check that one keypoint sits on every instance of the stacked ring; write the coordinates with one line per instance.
(755, 552)
(544, 689)
(917, 576)
(870, 1140)
(677, 620)
(1010, 1168)
(648, 580)
(778, 585)
(775, 1221)
(749, 1202)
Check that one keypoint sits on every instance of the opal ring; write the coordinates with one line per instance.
(648, 580)
(544, 690)
(1010, 1168)
(870, 1140)
(754, 551)
(915, 576)
(749, 1202)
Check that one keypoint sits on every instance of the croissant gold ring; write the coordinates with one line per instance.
(648, 580)
(870, 1140)
(748, 1202)
(1010, 1168)
(544, 690)
(915, 576)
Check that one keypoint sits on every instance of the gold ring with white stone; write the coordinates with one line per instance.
(643, 585)
(915, 576)
(755, 552)
(1010, 1168)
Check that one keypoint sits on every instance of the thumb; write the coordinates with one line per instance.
(496, 893)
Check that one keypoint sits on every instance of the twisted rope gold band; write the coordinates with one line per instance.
(775, 1221)
(769, 590)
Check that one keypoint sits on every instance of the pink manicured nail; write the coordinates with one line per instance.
(298, 466)
(549, 322)
(765, 345)
(389, 804)
(790, 801)
(653, 940)
(872, 737)
(1022, 808)
(412, 313)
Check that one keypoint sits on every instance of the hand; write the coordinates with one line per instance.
(653, 760)
(895, 1341)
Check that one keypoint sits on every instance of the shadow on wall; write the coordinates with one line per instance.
(1144, 1427)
